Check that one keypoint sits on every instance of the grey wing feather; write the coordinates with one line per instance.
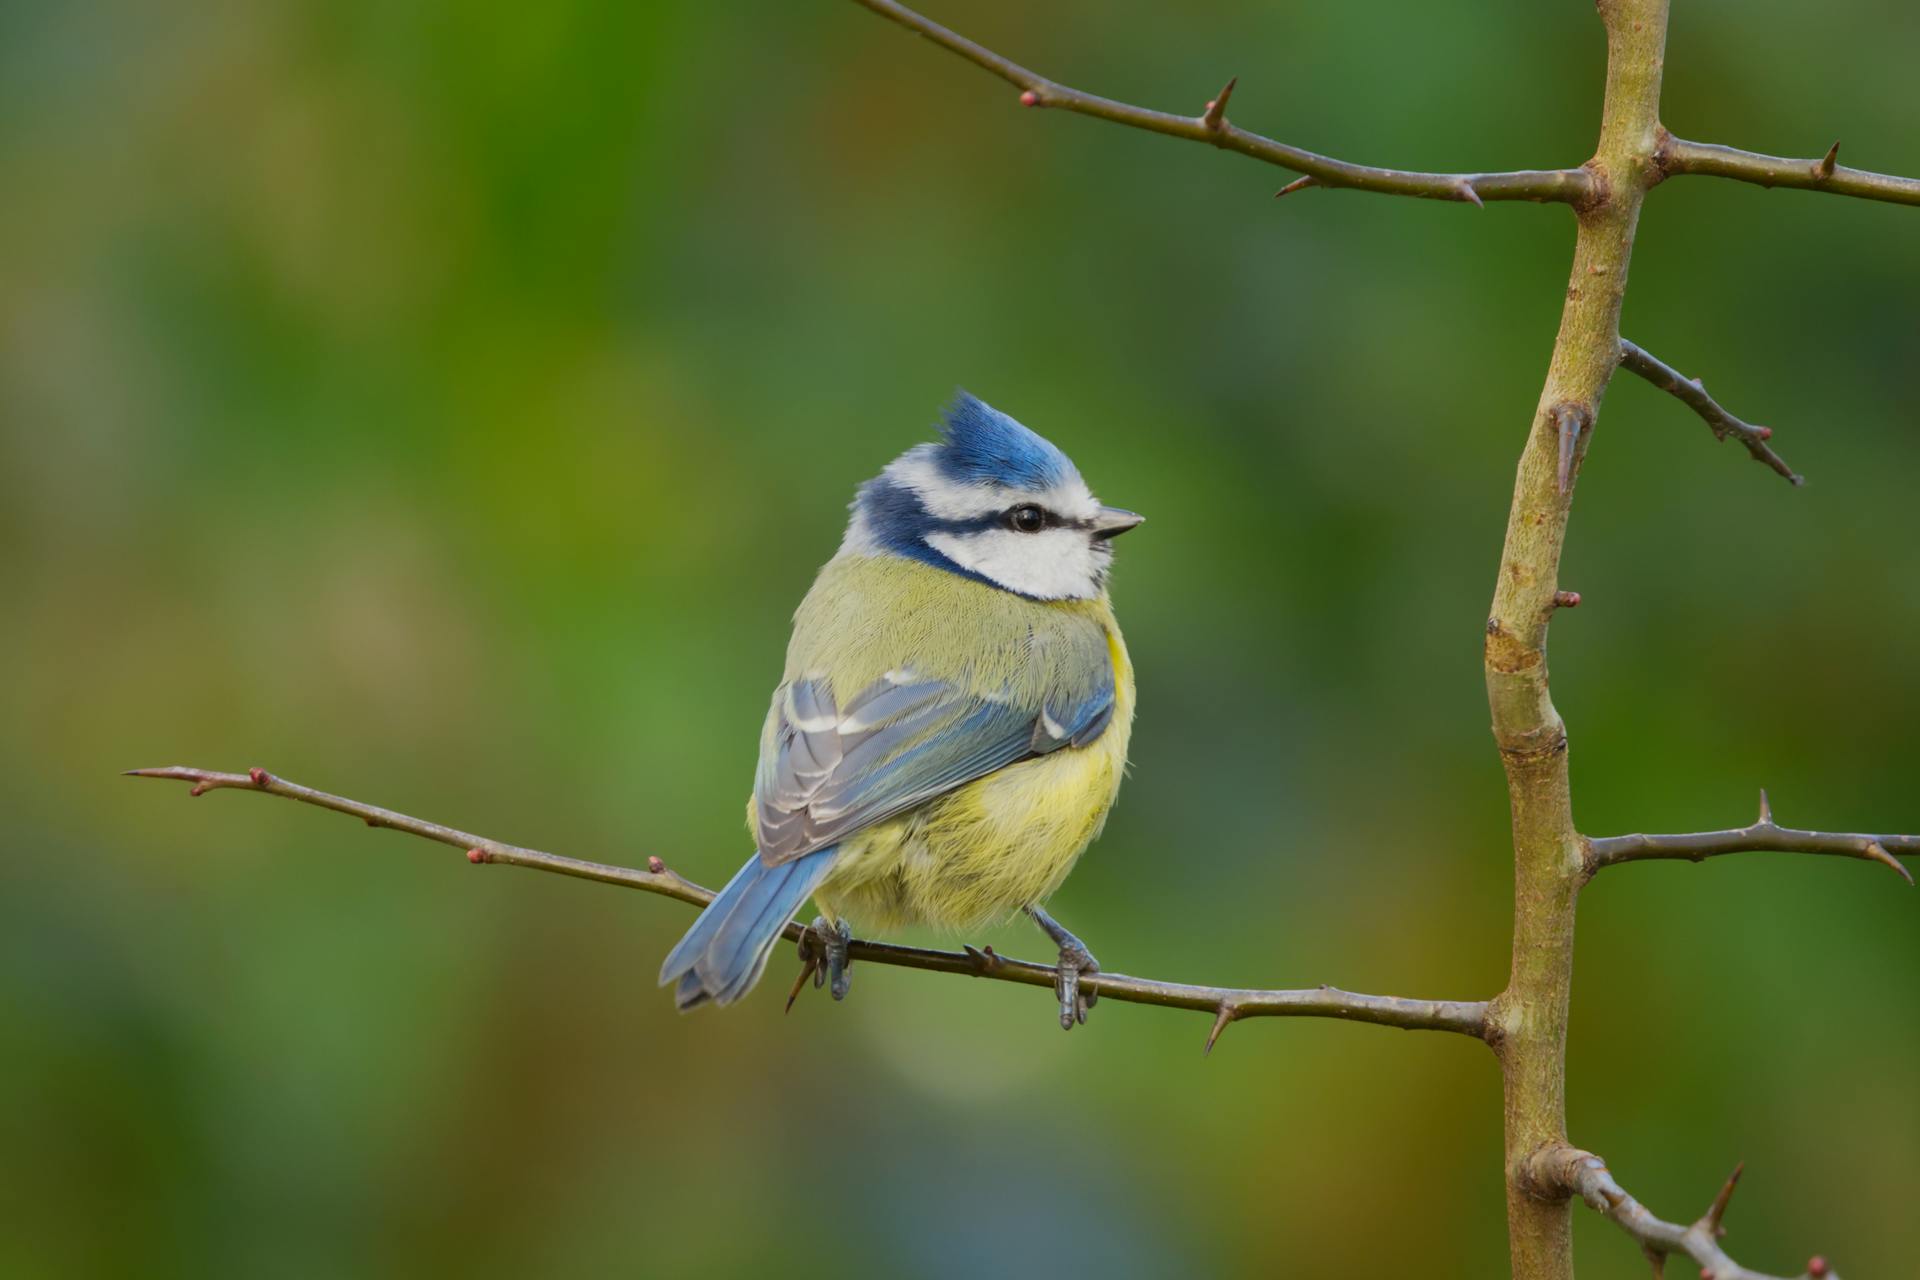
(830, 771)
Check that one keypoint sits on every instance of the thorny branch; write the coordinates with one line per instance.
(1693, 393)
(1764, 834)
(1227, 1004)
(1559, 1171)
(1677, 156)
(1565, 186)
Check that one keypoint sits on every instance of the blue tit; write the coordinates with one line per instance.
(952, 725)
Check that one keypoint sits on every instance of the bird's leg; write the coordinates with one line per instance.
(1075, 960)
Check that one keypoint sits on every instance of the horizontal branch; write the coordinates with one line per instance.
(1565, 186)
(1227, 1004)
(1560, 1171)
(1693, 393)
(1764, 835)
(1677, 156)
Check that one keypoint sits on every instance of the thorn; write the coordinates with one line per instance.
(478, 856)
(1468, 194)
(1878, 852)
(1029, 99)
(1657, 1260)
(809, 967)
(655, 865)
(1572, 420)
(1226, 1015)
(258, 776)
(1216, 113)
(1298, 184)
(1718, 1209)
(1566, 599)
(200, 788)
(983, 961)
(1823, 167)
(1817, 1265)
(1766, 809)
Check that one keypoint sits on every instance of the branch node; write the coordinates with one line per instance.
(1566, 599)
(655, 865)
(1823, 167)
(259, 777)
(1228, 1012)
(1298, 184)
(1215, 116)
(1029, 98)
(1817, 1266)
(478, 856)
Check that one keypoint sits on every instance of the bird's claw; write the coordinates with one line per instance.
(1075, 962)
(823, 957)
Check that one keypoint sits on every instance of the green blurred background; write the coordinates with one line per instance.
(447, 405)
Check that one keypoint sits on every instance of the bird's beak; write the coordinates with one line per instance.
(1111, 522)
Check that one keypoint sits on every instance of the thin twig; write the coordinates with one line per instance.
(1559, 1171)
(1677, 156)
(1692, 393)
(1464, 1017)
(1565, 186)
(1764, 834)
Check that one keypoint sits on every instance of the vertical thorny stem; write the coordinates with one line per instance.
(1530, 1017)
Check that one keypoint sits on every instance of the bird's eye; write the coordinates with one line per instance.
(1026, 518)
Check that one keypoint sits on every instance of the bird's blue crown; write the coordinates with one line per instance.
(982, 446)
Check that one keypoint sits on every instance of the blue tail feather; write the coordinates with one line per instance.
(723, 954)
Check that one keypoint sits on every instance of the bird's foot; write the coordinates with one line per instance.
(1075, 962)
(823, 957)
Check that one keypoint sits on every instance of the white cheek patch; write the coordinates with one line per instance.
(939, 496)
(1055, 564)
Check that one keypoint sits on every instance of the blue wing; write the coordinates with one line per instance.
(827, 770)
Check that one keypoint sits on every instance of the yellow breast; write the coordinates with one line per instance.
(994, 845)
